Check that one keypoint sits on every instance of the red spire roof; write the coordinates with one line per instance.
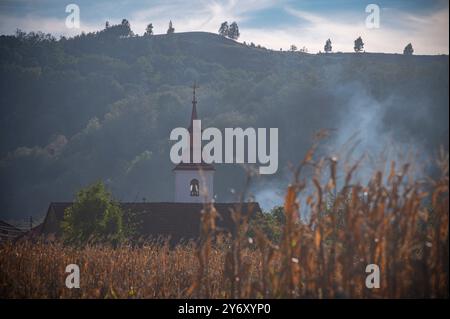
(194, 116)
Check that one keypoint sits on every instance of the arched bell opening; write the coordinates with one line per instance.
(194, 187)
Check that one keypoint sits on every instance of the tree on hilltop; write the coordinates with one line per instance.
(233, 31)
(223, 30)
(359, 45)
(171, 29)
(122, 30)
(328, 48)
(408, 49)
(149, 30)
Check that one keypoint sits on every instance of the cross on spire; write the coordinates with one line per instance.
(194, 102)
(194, 105)
(194, 86)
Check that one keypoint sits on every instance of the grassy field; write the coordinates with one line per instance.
(396, 221)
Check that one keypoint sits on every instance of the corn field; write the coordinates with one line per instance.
(395, 220)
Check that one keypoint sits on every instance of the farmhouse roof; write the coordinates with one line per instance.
(8, 231)
(166, 219)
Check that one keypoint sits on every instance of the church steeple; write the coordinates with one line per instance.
(194, 181)
(194, 107)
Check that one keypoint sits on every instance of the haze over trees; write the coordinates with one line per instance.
(101, 105)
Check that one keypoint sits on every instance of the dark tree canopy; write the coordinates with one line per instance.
(223, 30)
(359, 45)
(328, 48)
(118, 30)
(149, 29)
(171, 29)
(233, 31)
(125, 23)
(408, 49)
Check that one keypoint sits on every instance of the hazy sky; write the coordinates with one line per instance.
(274, 24)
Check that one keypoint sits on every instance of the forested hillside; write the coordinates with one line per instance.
(101, 106)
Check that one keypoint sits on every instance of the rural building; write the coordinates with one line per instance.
(9, 232)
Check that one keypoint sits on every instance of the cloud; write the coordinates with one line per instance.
(31, 22)
(195, 15)
(427, 30)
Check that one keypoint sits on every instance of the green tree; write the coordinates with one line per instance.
(359, 45)
(233, 31)
(125, 23)
(126, 28)
(171, 29)
(293, 48)
(408, 49)
(223, 30)
(304, 50)
(93, 217)
(122, 30)
(149, 30)
(270, 223)
(328, 48)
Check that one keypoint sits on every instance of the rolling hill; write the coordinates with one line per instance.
(101, 107)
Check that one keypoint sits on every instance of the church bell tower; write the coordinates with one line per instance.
(194, 181)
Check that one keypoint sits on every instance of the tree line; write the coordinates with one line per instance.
(230, 31)
(357, 47)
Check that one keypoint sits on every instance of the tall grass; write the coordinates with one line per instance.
(395, 220)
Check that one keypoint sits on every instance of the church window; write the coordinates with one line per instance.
(194, 187)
